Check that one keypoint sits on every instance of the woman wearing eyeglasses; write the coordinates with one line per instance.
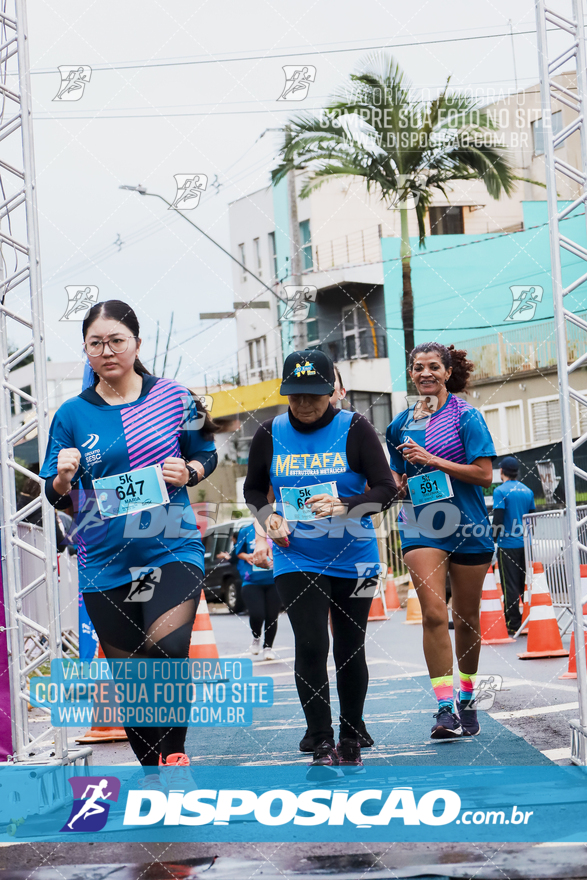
(121, 455)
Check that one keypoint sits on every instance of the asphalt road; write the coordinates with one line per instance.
(532, 703)
(527, 724)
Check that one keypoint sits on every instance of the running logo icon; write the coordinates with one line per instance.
(90, 808)
(486, 687)
(189, 189)
(91, 441)
(80, 298)
(299, 300)
(368, 575)
(143, 584)
(297, 82)
(74, 79)
(525, 299)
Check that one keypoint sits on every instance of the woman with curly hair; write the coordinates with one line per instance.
(441, 456)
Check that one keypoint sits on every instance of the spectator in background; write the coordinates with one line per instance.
(511, 501)
(339, 393)
(258, 589)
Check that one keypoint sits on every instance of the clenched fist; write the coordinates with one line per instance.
(174, 471)
(68, 462)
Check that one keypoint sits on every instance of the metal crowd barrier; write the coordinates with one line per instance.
(545, 541)
(32, 604)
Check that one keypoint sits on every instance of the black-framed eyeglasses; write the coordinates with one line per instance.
(116, 344)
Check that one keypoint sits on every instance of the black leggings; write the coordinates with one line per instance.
(308, 597)
(264, 606)
(151, 617)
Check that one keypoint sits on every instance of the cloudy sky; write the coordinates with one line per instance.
(187, 86)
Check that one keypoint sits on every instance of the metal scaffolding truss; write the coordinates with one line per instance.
(572, 30)
(21, 320)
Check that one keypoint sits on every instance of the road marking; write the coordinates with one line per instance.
(519, 682)
(557, 754)
(527, 713)
(262, 662)
(415, 674)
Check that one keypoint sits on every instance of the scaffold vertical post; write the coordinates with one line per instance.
(551, 89)
(22, 337)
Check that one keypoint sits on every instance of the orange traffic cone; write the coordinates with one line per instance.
(378, 609)
(498, 584)
(492, 619)
(203, 643)
(525, 611)
(414, 610)
(544, 639)
(103, 734)
(391, 597)
(572, 670)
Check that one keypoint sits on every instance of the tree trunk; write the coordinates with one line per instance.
(407, 295)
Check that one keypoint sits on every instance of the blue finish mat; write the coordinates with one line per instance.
(398, 715)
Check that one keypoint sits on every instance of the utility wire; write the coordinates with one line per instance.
(132, 65)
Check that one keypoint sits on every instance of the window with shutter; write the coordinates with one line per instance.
(546, 421)
(582, 416)
(494, 424)
(515, 429)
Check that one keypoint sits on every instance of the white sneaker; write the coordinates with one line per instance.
(176, 772)
(255, 646)
(152, 781)
(268, 654)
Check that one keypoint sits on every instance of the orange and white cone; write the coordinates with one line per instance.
(413, 609)
(525, 610)
(202, 642)
(492, 619)
(103, 734)
(391, 597)
(499, 584)
(572, 670)
(378, 609)
(544, 639)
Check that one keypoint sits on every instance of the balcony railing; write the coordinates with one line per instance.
(350, 348)
(261, 373)
(356, 247)
(531, 347)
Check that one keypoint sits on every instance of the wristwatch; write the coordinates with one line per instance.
(194, 477)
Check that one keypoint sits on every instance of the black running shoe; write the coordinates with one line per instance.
(447, 725)
(349, 756)
(307, 742)
(325, 763)
(468, 718)
(363, 735)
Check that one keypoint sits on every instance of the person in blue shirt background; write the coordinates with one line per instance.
(511, 501)
(259, 591)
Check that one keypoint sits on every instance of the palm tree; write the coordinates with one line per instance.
(403, 148)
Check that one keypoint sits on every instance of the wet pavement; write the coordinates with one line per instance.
(299, 862)
(527, 725)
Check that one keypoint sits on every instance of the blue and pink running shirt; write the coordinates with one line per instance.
(113, 440)
(457, 432)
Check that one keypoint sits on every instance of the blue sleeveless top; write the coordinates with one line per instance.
(338, 546)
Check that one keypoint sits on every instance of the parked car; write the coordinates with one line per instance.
(222, 581)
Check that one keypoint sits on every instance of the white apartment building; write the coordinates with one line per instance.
(341, 227)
